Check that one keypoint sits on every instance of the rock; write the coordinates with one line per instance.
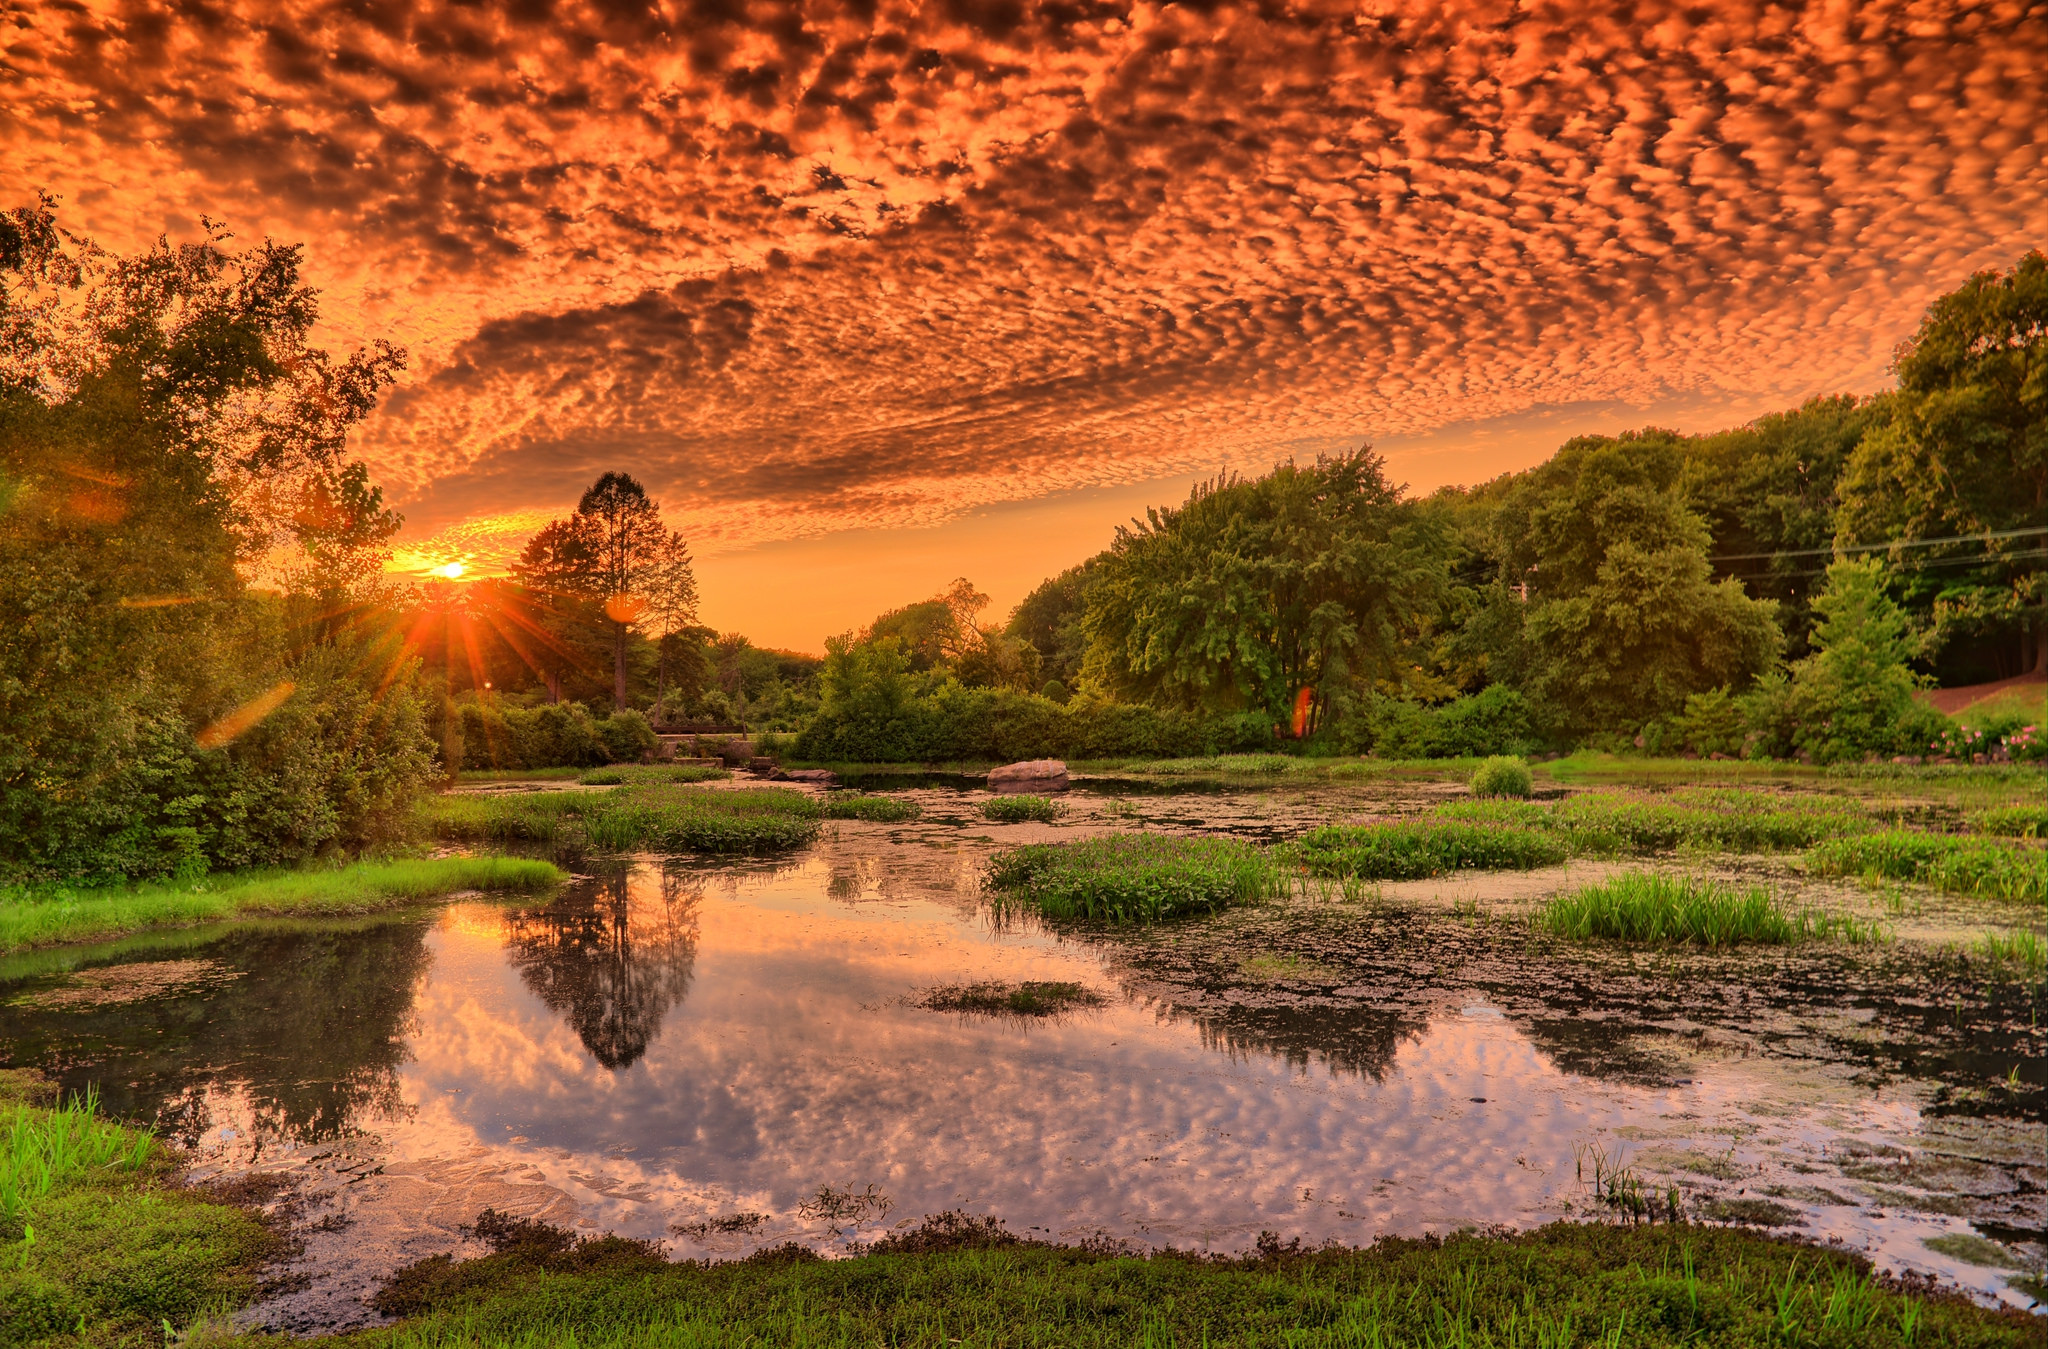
(1033, 775)
(761, 763)
(823, 777)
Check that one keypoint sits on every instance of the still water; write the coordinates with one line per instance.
(732, 1055)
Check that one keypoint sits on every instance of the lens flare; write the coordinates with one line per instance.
(246, 717)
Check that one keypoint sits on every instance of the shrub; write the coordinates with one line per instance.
(1018, 809)
(1712, 723)
(1963, 865)
(1133, 878)
(1655, 908)
(1502, 775)
(554, 735)
(1394, 852)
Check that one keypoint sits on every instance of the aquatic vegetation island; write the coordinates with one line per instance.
(1023, 676)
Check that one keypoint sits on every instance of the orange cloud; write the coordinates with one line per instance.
(811, 267)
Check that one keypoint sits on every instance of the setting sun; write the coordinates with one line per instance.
(450, 571)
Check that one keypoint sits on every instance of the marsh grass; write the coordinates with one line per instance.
(861, 806)
(51, 916)
(519, 774)
(2027, 821)
(95, 1249)
(1021, 808)
(1654, 908)
(1411, 851)
(1604, 824)
(636, 775)
(2018, 948)
(1032, 998)
(959, 1279)
(43, 1149)
(1132, 878)
(651, 817)
(1960, 864)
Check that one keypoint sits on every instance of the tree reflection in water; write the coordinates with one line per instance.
(612, 957)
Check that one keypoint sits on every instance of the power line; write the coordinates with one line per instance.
(1880, 547)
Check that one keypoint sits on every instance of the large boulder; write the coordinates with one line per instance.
(1033, 775)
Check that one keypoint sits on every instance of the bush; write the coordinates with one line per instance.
(554, 735)
(1133, 878)
(1496, 720)
(876, 711)
(1502, 775)
(657, 818)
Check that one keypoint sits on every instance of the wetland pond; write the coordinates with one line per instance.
(735, 1054)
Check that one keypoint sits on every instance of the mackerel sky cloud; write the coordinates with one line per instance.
(809, 269)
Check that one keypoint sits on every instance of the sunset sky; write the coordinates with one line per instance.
(873, 295)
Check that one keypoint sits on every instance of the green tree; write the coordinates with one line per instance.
(164, 428)
(1854, 694)
(1623, 620)
(1318, 579)
(1966, 454)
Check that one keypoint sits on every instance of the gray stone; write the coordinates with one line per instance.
(1033, 775)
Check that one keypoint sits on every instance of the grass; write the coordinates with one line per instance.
(1605, 824)
(2019, 947)
(1032, 998)
(1411, 851)
(1659, 909)
(2028, 821)
(52, 916)
(861, 806)
(1960, 865)
(1018, 809)
(957, 1280)
(634, 774)
(1132, 878)
(651, 817)
(103, 1248)
(518, 774)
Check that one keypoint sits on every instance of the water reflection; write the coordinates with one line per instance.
(306, 1028)
(610, 958)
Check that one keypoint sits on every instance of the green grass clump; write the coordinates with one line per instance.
(1605, 824)
(1034, 998)
(861, 806)
(650, 817)
(1502, 775)
(2021, 948)
(54, 916)
(1405, 851)
(518, 774)
(966, 1280)
(97, 1248)
(2028, 821)
(630, 775)
(1658, 909)
(1959, 864)
(1133, 878)
(1018, 809)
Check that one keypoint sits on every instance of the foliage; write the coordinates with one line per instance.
(1854, 694)
(1049, 619)
(1624, 621)
(1319, 579)
(875, 709)
(1020, 808)
(653, 817)
(861, 806)
(2027, 821)
(1970, 866)
(1964, 455)
(1652, 907)
(57, 915)
(1502, 775)
(1132, 878)
(164, 427)
(106, 1253)
(622, 774)
(554, 735)
(1413, 851)
(1496, 720)
(961, 1279)
(1602, 824)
